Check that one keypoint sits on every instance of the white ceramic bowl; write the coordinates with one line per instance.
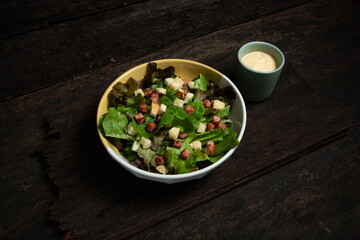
(189, 70)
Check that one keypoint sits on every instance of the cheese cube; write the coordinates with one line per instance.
(218, 105)
(162, 169)
(139, 91)
(131, 130)
(188, 97)
(135, 146)
(162, 109)
(145, 143)
(196, 145)
(179, 80)
(161, 91)
(179, 102)
(201, 128)
(191, 85)
(175, 85)
(174, 133)
(154, 109)
(168, 81)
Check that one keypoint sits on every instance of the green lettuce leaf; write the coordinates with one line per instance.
(229, 142)
(114, 124)
(165, 100)
(141, 128)
(148, 155)
(199, 109)
(224, 112)
(200, 82)
(199, 96)
(182, 119)
(209, 135)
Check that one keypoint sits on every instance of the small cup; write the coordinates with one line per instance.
(256, 85)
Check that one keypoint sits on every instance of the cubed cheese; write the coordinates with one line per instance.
(191, 85)
(201, 128)
(135, 146)
(179, 80)
(196, 145)
(162, 169)
(131, 130)
(179, 102)
(168, 81)
(154, 109)
(174, 133)
(175, 85)
(139, 91)
(218, 105)
(161, 91)
(145, 143)
(188, 97)
(162, 109)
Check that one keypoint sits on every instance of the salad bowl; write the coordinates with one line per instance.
(187, 69)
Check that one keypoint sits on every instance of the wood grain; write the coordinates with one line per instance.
(311, 198)
(18, 17)
(303, 34)
(105, 194)
(58, 52)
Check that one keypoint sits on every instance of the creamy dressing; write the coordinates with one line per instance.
(259, 61)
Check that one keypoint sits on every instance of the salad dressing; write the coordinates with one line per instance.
(259, 61)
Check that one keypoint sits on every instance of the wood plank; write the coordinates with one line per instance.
(18, 17)
(312, 197)
(25, 116)
(41, 58)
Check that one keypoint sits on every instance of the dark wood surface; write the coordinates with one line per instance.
(105, 193)
(45, 66)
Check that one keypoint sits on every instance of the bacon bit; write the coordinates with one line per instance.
(160, 160)
(186, 92)
(139, 118)
(206, 103)
(221, 125)
(154, 98)
(177, 143)
(183, 135)
(143, 108)
(186, 82)
(210, 126)
(149, 92)
(150, 127)
(209, 150)
(210, 143)
(185, 154)
(216, 120)
(189, 110)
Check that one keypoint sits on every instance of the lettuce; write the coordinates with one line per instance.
(114, 123)
(200, 82)
(229, 142)
(199, 109)
(141, 128)
(148, 155)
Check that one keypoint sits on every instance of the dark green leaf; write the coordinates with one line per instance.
(229, 142)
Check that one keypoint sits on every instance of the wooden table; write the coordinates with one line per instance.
(52, 53)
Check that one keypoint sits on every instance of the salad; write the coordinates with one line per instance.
(169, 125)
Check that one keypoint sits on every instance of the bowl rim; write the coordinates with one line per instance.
(190, 175)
